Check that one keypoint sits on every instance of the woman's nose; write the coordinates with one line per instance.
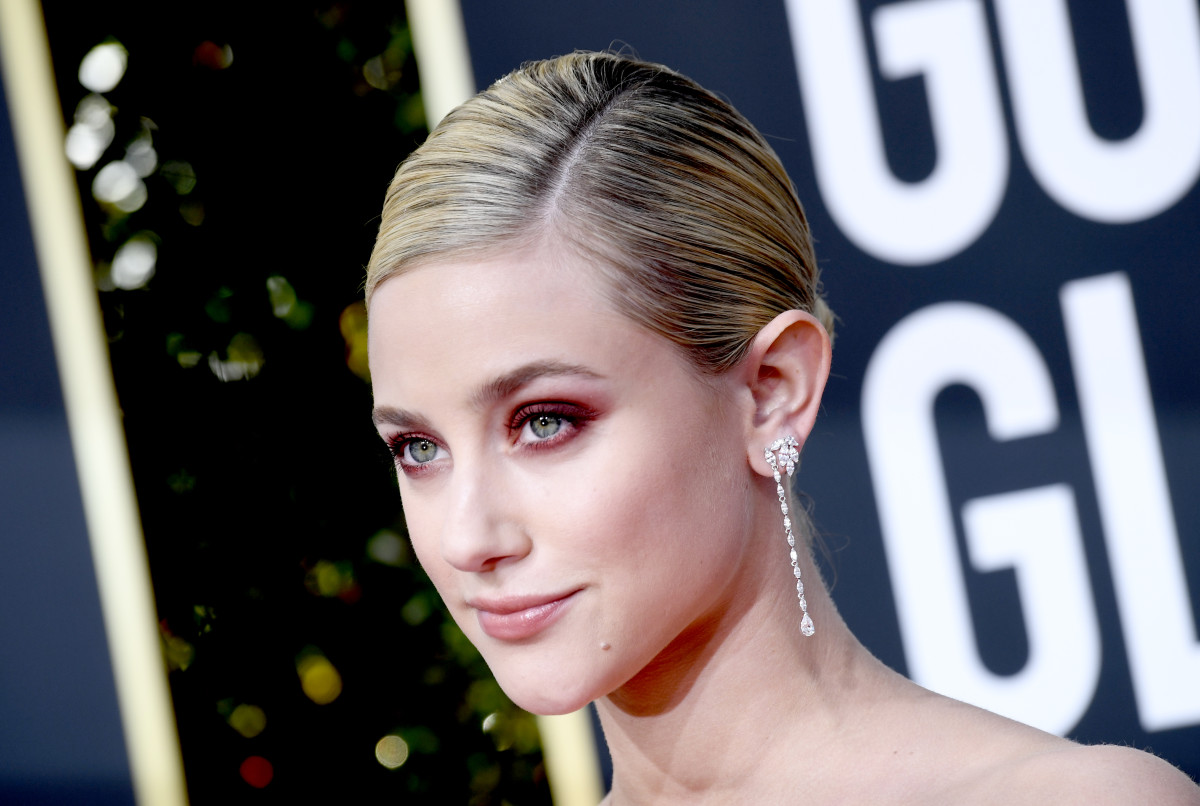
(481, 531)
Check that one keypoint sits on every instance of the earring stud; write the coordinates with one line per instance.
(782, 456)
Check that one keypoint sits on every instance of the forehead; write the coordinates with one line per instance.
(519, 292)
(457, 321)
(475, 279)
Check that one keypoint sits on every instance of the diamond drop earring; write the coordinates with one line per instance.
(782, 456)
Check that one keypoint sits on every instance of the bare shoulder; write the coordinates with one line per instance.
(1097, 775)
(958, 754)
(1011, 764)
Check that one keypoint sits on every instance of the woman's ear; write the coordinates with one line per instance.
(785, 369)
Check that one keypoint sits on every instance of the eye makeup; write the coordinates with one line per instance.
(568, 418)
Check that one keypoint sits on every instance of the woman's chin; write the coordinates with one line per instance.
(546, 700)
(548, 694)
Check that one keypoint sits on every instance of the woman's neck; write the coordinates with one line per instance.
(737, 702)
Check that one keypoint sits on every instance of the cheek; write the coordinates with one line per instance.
(658, 518)
(423, 530)
(658, 489)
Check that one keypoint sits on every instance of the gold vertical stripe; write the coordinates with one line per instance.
(572, 765)
(443, 57)
(105, 481)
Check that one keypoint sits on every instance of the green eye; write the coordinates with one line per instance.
(421, 451)
(545, 426)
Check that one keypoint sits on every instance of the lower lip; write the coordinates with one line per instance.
(522, 624)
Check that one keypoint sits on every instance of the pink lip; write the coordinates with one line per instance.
(518, 618)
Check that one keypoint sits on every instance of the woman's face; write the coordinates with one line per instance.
(576, 493)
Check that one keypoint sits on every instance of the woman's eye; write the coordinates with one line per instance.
(548, 424)
(544, 426)
(420, 451)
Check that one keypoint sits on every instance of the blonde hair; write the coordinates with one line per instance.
(672, 194)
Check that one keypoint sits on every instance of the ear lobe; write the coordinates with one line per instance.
(786, 369)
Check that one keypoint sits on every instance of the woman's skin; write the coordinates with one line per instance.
(602, 525)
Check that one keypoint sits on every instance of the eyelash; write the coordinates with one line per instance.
(574, 418)
(396, 446)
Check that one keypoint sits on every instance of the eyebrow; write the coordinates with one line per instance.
(404, 420)
(504, 385)
(489, 393)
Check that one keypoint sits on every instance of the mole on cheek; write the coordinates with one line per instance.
(605, 645)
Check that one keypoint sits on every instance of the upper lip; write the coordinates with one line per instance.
(504, 605)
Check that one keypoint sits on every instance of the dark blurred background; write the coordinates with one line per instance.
(230, 181)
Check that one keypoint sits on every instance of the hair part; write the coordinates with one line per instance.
(675, 197)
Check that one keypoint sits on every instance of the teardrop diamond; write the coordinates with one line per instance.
(806, 626)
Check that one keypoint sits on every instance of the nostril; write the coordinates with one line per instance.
(483, 544)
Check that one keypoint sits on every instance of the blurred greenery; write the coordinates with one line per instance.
(231, 180)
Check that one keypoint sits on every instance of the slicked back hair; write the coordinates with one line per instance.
(677, 200)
